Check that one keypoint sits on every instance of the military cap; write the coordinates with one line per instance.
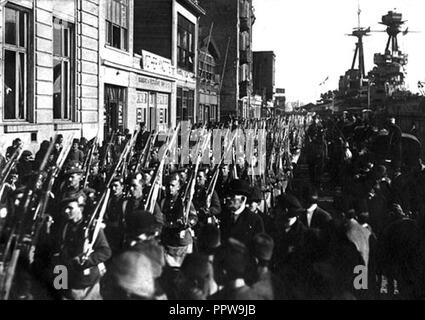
(88, 191)
(73, 167)
(79, 197)
(181, 170)
(263, 246)
(120, 179)
(149, 171)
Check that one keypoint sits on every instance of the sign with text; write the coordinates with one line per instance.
(153, 84)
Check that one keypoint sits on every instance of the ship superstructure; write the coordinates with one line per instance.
(388, 76)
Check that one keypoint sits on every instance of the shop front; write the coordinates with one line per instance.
(152, 103)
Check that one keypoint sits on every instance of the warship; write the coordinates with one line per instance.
(383, 89)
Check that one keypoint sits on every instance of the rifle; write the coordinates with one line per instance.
(97, 223)
(211, 187)
(89, 161)
(96, 218)
(18, 230)
(40, 216)
(108, 146)
(157, 182)
(129, 152)
(201, 148)
(143, 155)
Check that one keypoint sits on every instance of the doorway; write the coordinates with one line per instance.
(115, 101)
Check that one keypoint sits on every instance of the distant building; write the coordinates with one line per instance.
(280, 101)
(264, 73)
(208, 81)
(232, 22)
(149, 58)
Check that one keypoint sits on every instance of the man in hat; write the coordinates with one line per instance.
(25, 164)
(142, 138)
(231, 266)
(72, 179)
(223, 181)
(114, 216)
(266, 285)
(96, 180)
(206, 211)
(17, 144)
(137, 201)
(254, 201)
(147, 176)
(237, 220)
(67, 243)
(290, 231)
(314, 216)
(70, 186)
(176, 234)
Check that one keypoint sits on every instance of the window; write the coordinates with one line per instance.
(207, 67)
(117, 24)
(185, 44)
(63, 66)
(185, 104)
(15, 55)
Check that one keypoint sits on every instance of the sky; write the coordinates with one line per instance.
(310, 42)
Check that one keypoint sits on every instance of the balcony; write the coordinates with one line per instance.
(245, 57)
(244, 24)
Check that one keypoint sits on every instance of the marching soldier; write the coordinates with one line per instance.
(70, 186)
(205, 212)
(223, 181)
(137, 201)
(67, 247)
(177, 238)
(114, 216)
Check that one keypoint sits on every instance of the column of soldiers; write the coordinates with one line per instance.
(124, 221)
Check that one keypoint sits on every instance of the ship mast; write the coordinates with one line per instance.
(359, 32)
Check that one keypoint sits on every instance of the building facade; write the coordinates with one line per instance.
(208, 81)
(135, 85)
(168, 31)
(49, 70)
(264, 78)
(280, 104)
(88, 67)
(232, 22)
